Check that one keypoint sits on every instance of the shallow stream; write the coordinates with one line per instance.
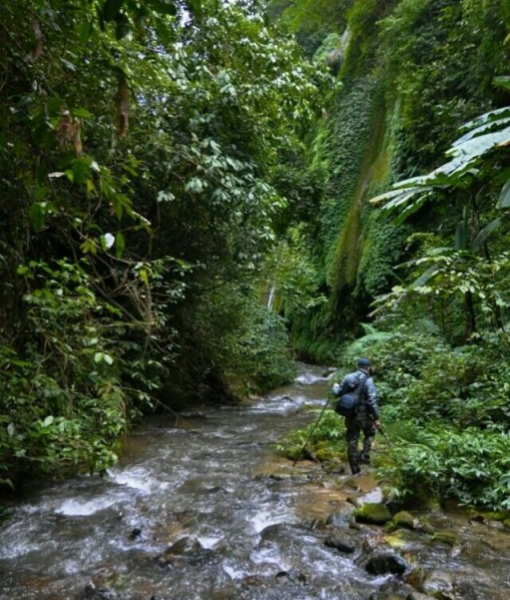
(208, 512)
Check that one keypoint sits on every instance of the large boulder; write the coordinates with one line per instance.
(372, 513)
(386, 562)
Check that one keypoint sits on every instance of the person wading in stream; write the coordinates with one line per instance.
(365, 417)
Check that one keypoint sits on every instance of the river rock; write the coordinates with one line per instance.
(385, 596)
(446, 537)
(372, 514)
(419, 596)
(342, 545)
(282, 533)
(386, 562)
(186, 546)
(416, 576)
(402, 520)
(135, 533)
(437, 582)
(99, 593)
(292, 575)
(340, 518)
(392, 589)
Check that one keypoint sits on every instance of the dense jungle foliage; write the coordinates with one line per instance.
(409, 249)
(140, 144)
(194, 192)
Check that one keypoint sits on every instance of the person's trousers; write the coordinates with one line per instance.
(355, 426)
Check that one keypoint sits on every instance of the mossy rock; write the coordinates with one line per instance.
(326, 454)
(496, 516)
(445, 537)
(402, 520)
(373, 514)
(396, 541)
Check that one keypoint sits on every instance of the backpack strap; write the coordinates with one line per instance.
(357, 392)
(360, 386)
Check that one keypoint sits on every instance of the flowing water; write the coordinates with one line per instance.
(208, 512)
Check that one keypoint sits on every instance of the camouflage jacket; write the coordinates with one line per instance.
(368, 397)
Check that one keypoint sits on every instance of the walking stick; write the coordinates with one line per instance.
(310, 435)
(386, 439)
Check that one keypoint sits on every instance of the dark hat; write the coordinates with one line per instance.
(364, 362)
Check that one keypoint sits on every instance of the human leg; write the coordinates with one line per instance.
(368, 438)
(352, 436)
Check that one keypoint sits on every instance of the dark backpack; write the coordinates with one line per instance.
(347, 403)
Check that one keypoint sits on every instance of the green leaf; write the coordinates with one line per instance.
(108, 359)
(36, 214)
(120, 245)
(48, 421)
(503, 81)
(461, 235)
(504, 196)
(484, 234)
(426, 276)
(83, 113)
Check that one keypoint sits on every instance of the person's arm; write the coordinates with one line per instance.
(373, 407)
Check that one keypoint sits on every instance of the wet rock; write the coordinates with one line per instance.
(402, 520)
(386, 562)
(445, 537)
(340, 518)
(184, 547)
(217, 490)
(392, 589)
(292, 575)
(135, 534)
(99, 593)
(319, 524)
(416, 577)
(437, 582)
(385, 596)
(281, 532)
(329, 371)
(253, 581)
(419, 596)
(280, 476)
(372, 514)
(341, 545)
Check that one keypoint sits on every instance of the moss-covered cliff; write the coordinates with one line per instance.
(412, 72)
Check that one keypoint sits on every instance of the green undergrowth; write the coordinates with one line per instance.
(325, 438)
(445, 414)
(445, 410)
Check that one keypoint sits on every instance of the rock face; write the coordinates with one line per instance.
(372, 514)
(386, 562)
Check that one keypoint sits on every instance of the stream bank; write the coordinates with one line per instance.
(210, 512)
